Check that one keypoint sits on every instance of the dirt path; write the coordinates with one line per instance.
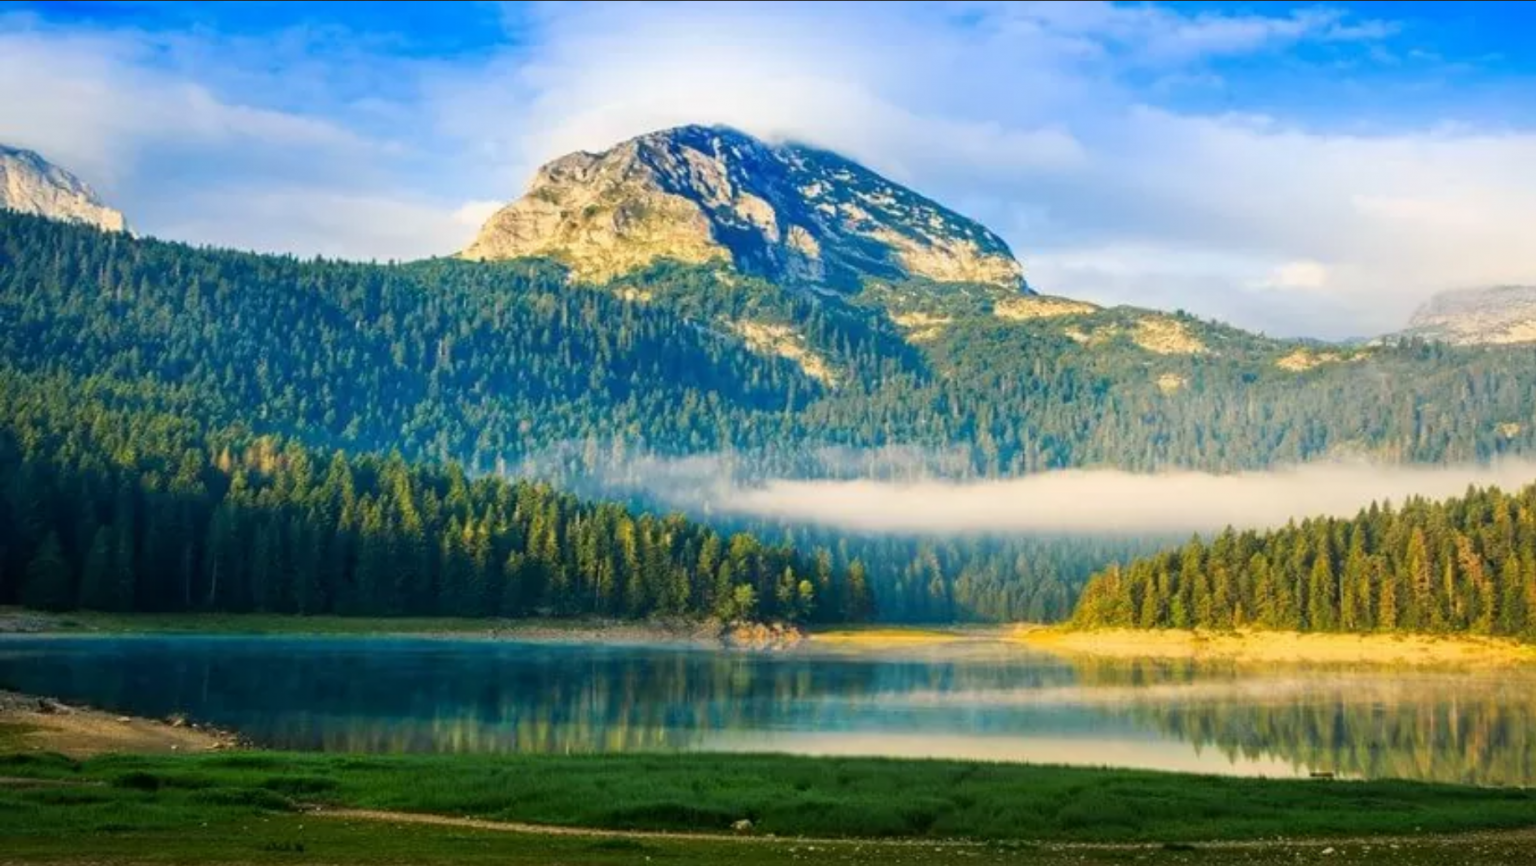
(22, 782)
(1526, 836)
(44, 724)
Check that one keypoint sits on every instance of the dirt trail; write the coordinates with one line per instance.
(23, 782)
(1524, 836)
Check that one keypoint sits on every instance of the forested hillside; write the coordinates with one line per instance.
(57, 431)
(490, 363)
(1465, 565)
(108, 507)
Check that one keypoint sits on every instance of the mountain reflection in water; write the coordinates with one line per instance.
(426, 695)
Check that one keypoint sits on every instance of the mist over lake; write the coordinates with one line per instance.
(429, 695)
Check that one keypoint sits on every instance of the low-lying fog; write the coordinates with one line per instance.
(1097, 501)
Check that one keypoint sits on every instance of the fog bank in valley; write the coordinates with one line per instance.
(1096, 501)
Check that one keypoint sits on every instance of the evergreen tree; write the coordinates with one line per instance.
(1463, 566)
(98, 584)
(49, 585)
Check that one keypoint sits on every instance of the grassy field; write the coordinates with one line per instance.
(787, 796)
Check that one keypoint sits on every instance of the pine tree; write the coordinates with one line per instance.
(1355, 592)
(49, 585)
(98, 585)
(859, 604)
(1418, 566)
(1387, 615)
(1321, 612)
(1513, 614)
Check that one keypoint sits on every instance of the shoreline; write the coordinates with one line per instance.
(614, 632)
(31, 723)
(1248, 646)
(1277, 647)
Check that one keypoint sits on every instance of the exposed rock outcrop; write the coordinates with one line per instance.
(1499, 315)
(695, 194)
(31, 184)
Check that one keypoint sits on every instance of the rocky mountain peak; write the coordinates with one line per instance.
(31, 184)
(699, 194)
(1496, 315)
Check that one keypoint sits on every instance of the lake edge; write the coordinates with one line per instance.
(1278, 647)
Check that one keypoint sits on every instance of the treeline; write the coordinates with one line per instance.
(967, 578)
(490, 364)
(1481, 733)
(113, 508)
(441, 360)
(1464, 565)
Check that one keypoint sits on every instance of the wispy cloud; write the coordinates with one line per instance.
(1064, 126)
(899, 492)
(1024, 115)
(139, 116)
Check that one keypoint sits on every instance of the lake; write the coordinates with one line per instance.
(441, 695)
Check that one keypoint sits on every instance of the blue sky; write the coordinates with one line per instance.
(1299, 168)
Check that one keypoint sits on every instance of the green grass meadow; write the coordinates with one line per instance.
(786, 796)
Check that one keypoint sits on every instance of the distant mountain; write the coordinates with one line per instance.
(493, 364)
(31, 184)
(510, 368)
(1498, 315)
(789, 213)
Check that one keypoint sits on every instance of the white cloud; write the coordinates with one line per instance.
(94, 101)
(475, 213)
(1089, 501)
(1034, 117)
(331, 223)
(1156, 35)
(1302, 274)
(1015, 114)
(122, 110)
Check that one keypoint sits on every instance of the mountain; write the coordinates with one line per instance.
(509, 368)
(31, 184)
(1491, 316)
(789, 213)
(497, 364)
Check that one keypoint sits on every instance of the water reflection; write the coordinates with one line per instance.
(462, 696)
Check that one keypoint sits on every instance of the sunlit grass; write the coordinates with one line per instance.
(788, 796)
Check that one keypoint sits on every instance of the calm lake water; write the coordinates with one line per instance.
(431, 695)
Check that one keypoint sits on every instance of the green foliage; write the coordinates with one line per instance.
(1464, 566)
(48, 585)
(790, 796)
(487, 364)
(503, 368)
(160, 515)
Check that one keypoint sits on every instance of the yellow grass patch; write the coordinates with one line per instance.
(1026, 308)
(1272, 647)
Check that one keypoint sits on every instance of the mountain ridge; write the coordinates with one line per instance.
(712, 194)
(1494, 315)
(29, 183)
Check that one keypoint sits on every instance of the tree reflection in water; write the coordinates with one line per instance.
(391, 695)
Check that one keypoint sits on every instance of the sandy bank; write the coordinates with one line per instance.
(29, 723)
(1276, 647)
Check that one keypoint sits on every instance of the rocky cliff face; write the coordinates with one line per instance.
(1505, 314)
(697, 194)
(31, 184)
